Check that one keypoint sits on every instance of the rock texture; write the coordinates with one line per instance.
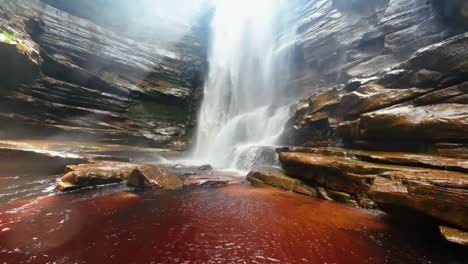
(455, 235)
(105, 172)
(75, 79)
(93, 174)
(149, 176)
(434, 186)
(381, 72)
(277, 178)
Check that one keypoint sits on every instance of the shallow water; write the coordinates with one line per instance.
(233, 224)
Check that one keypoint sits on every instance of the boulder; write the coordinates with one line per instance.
(93, 174)
(150, 176)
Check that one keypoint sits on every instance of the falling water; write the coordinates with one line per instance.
(245, 106)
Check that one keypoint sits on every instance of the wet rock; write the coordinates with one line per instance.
(94, 83)
(452, 150)
(325, 99)
(207, 181)
(451, 52)
(392, 158)
(150, 176)
(366, 203)
(454, 235)
(26, 66)
(434, 186)
(22, 161)
(443, 95)
(342, 197)
(93, 174)
(429, 122)
(206, 167)
(373, 97)
(277, 178)
(437, 194)
(21, 62)
(106, 172)
(425, 78)
(341, 174)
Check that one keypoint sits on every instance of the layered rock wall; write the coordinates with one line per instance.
(70, 78)
(384, 75)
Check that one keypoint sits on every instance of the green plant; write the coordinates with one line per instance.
(9, 37)
(9, 34)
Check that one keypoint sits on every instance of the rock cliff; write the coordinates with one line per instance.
(382, 72)
(71, 77)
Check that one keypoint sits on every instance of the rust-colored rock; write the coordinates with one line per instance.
(393, 158)
(454, 235)
(277, 178)
(86, 175)
(150, 176)
(372, 97)
(429, 122)
(432, 185)
(443, 196)
(101, 173)
(341, 174)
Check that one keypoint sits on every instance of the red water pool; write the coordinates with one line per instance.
(233, 224)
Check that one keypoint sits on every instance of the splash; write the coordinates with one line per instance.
(244, 96)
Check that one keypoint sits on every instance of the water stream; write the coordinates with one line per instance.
(244, 105)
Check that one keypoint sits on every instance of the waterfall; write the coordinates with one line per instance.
(245, 105)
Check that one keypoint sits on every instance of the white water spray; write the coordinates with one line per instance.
(244, 105)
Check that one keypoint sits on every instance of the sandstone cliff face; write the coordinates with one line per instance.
(381, 72)
(69, 78)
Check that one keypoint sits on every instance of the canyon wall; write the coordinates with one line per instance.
(71, 75)
(387, 75)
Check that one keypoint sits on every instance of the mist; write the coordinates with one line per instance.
(142, 19)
